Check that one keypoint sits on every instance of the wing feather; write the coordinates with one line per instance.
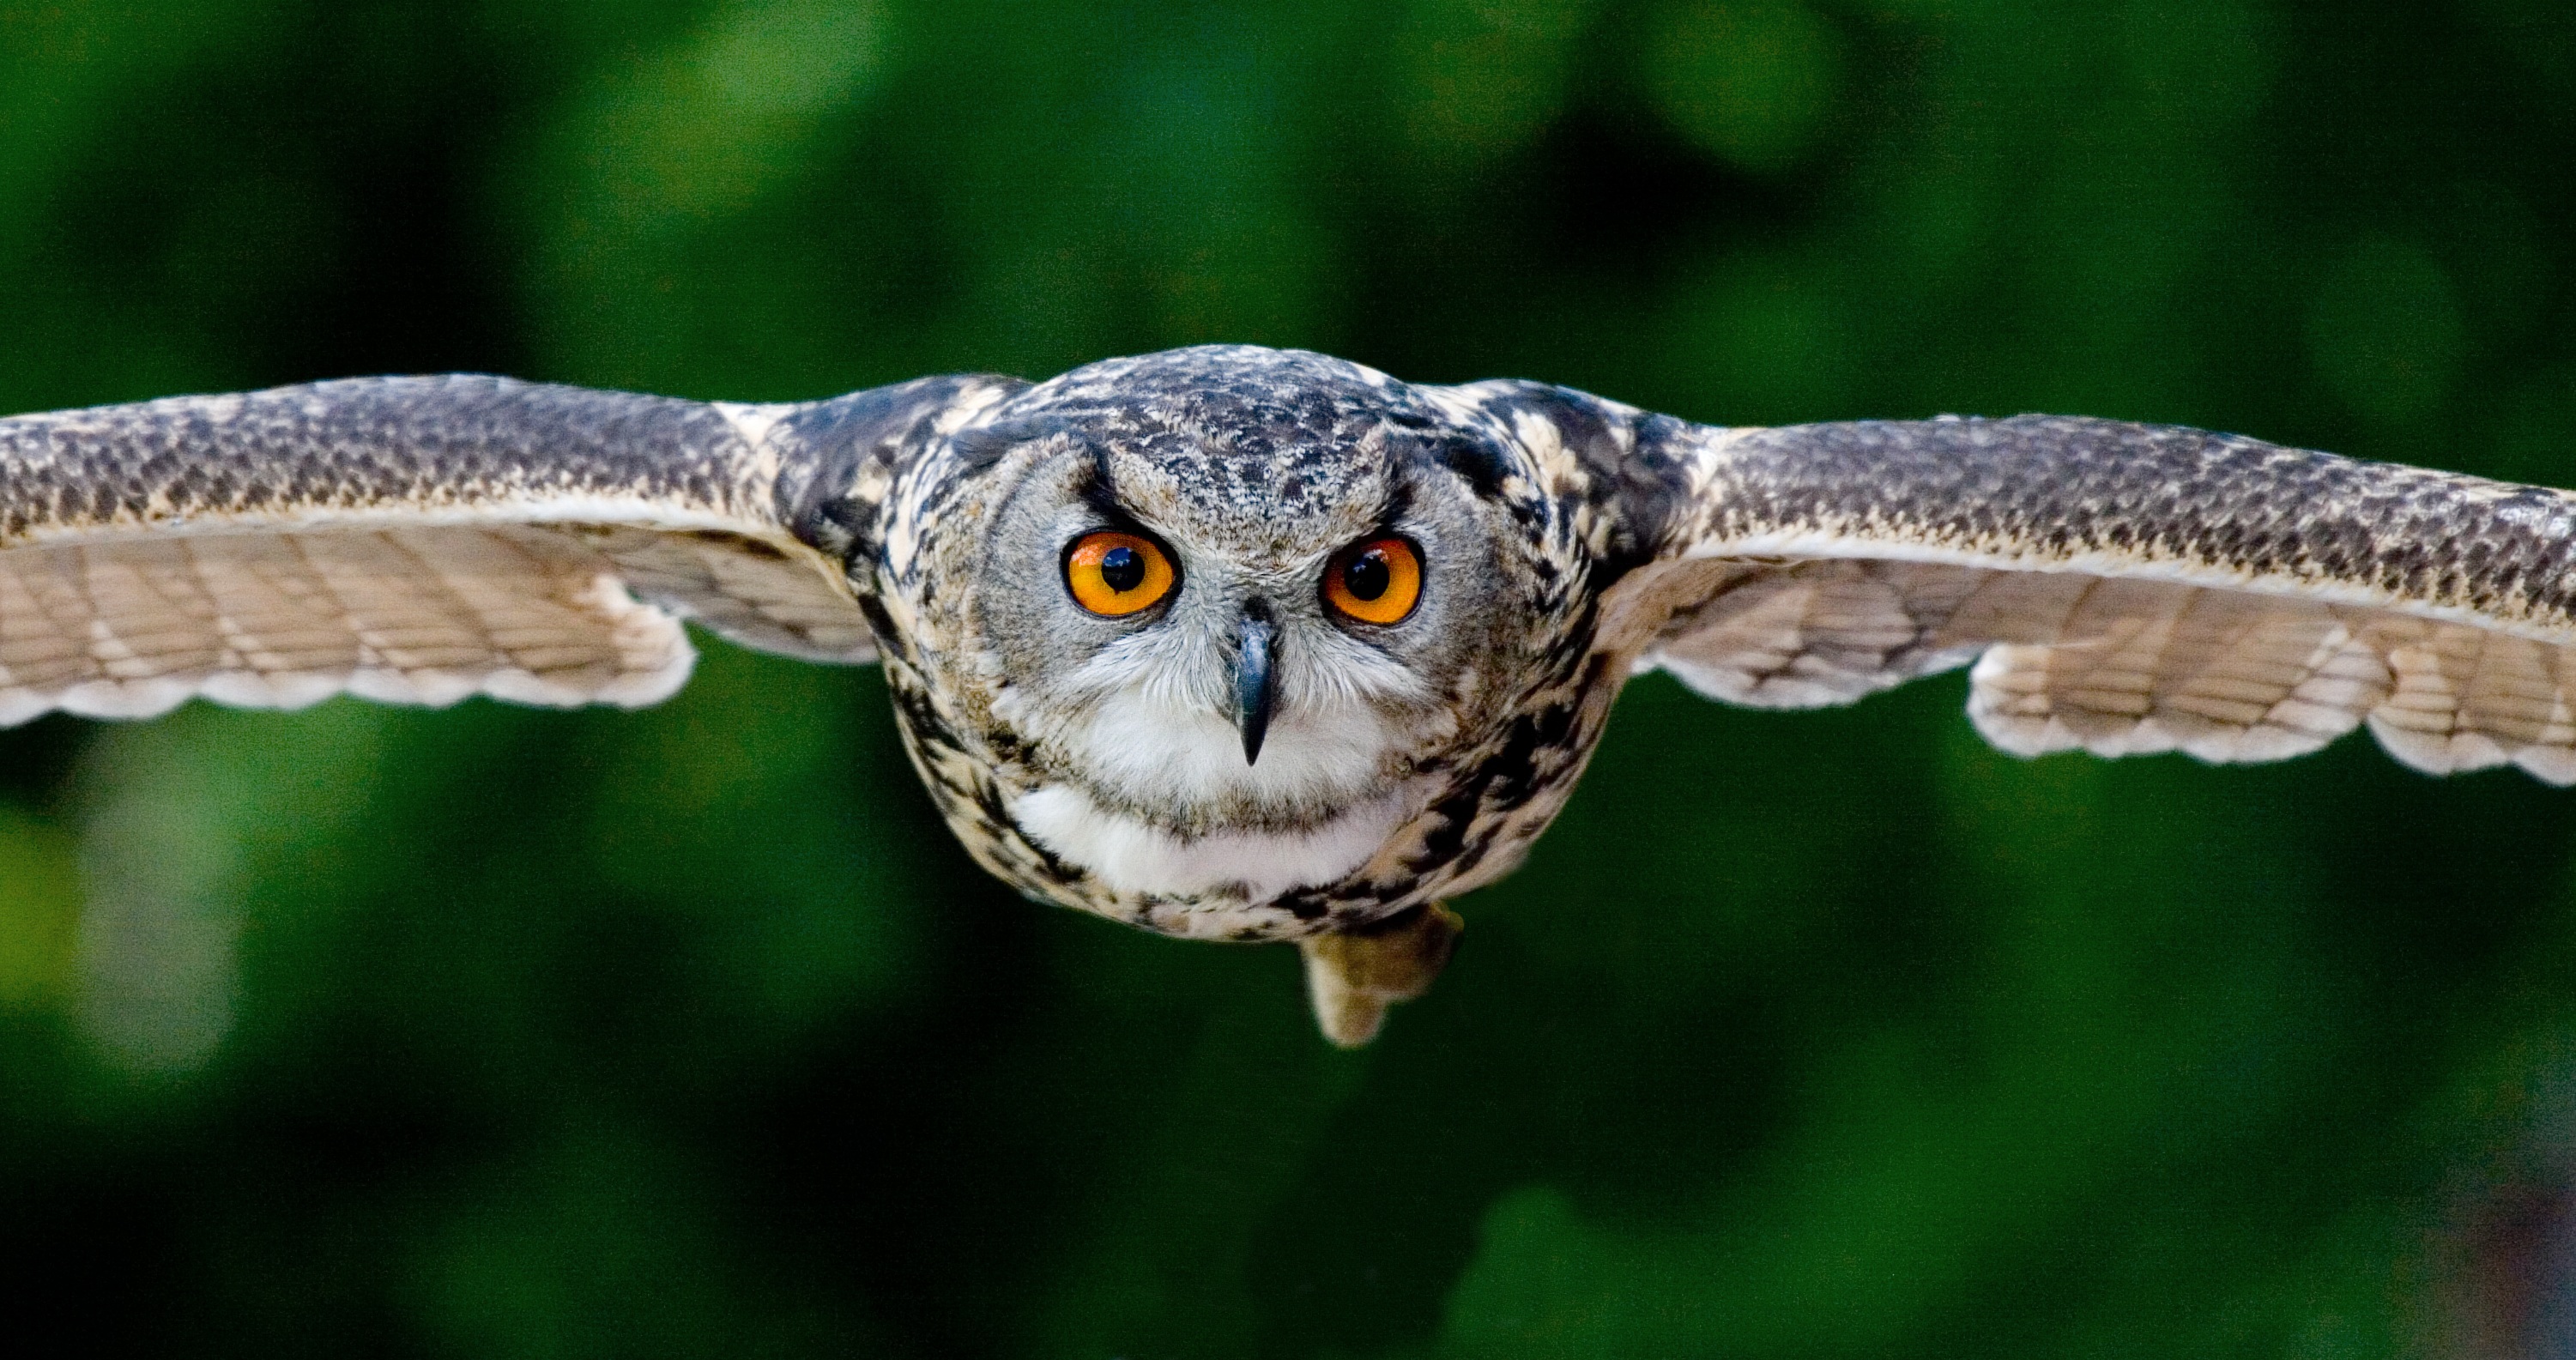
(2120, 589)
(420, 540)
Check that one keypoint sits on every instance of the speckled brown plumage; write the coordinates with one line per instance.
(2042, 490)
(2120, 588)
(2130, 588)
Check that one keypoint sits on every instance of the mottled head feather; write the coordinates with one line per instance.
(1095, 760)
(1281, 452)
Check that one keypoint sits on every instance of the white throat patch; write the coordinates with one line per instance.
(1315, 807)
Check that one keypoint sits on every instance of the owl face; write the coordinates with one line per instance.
(1233, 626)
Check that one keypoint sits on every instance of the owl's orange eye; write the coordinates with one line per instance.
(1116, 574)
(1377, 581)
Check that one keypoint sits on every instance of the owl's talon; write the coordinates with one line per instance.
(1352, 978)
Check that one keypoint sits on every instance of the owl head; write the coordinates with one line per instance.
(1234, 609)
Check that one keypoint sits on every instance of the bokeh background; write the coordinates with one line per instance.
(687, 1032)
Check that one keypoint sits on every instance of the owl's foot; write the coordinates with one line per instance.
(1353, 978)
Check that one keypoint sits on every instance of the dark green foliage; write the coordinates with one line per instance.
(688, 1032)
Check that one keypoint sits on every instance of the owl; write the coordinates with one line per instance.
(1243, 644)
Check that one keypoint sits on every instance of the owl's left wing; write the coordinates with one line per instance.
(418, 540)
(2117, 588)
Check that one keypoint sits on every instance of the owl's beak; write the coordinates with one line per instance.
(1256, 684)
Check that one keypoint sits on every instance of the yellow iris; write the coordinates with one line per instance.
(1117, 574)
(1378, 581)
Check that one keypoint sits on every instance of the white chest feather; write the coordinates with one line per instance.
(1132, 856)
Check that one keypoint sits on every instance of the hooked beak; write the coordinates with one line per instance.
(1256, 683)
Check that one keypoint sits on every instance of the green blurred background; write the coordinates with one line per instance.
(688, 1032)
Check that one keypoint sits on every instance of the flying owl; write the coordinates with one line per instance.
(1245, 644)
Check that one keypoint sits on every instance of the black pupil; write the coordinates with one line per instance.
(1122, 569)
(1368, 576)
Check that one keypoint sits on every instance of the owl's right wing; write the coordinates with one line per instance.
(418, 540)
(2113, 587)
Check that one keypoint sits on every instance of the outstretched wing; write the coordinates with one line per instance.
(418, 540)
(2116, 588)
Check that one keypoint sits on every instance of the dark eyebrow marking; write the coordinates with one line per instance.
(1399, 502)
(1093, 486)
(1477, 460)
(1097, 488)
